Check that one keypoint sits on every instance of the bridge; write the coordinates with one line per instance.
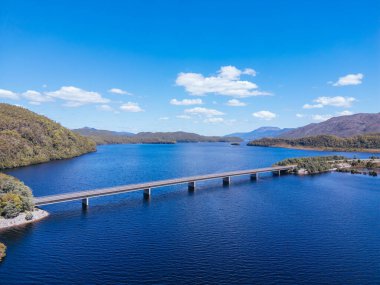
(147, 187)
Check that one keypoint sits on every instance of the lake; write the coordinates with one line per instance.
(289, 229)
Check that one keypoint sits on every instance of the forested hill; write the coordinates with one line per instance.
(111, 137)
(342, 126)
(28, 138)
(368, 142)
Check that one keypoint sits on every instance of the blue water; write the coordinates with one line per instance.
(289, 229)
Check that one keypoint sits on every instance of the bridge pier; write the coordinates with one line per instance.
(226, 181)
(85, 203)
(191, 186)
(254, 176)
(147, 193)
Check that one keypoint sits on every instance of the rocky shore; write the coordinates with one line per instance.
(37, 215)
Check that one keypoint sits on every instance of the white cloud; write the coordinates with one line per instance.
(131, 107)
(321, 118)
(105, 107)
(344, 113)
(35, 97)
(349, 79)
(75, 96)
(300, 115)
(226, 82)
(214, 120)
(249, 71)
(186, 102)
(337, 101)
(7, 94)
(119, 91)
(264, 115)
(235, 103)
(163, 118)
(204, 112)
(186, 117)
(309, 106)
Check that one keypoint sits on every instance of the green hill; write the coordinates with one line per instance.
(28, 138)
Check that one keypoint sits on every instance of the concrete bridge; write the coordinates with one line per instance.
(147, 187)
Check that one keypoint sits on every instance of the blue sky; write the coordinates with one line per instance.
(211, 67)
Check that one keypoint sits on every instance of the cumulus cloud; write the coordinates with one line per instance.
(131, 107)
(105, 107)
(337, 101)
(344, 113)
(264, 115)
(7, 94)
(186, 102)
(35, 97)
(300, 115)
(349, 79)
(203, 112)
(226, 82)
(321, 118)
(312, 106)
(214, 120)
(75, 96)
(163, 118)
(119, 91)
(235, 103)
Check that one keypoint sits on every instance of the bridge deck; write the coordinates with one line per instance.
(52, 199)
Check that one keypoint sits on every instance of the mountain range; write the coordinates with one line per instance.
(112, 137)
(342, 126)
(263, 132)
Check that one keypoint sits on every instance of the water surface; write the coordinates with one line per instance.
(289, 229)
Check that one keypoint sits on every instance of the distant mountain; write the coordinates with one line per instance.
(86, 131)
(28, 138)
(110, 137)
(342, 126)
(268, 132)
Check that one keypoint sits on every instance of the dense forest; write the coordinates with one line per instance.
(110, 137)
(15, 197)
(369, 142)
(28, 138)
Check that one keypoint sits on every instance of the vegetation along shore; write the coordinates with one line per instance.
(364, 143)
(17, 203)
(319, 164)
(3, 249)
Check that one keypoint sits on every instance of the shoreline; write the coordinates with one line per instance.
(20, 220)
(322, 149)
